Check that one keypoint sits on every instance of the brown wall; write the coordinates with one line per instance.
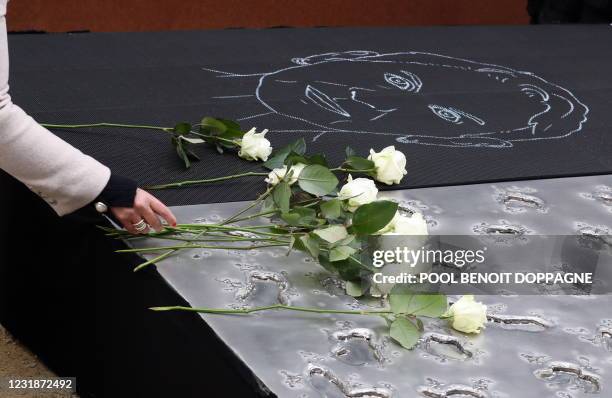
(138, 15)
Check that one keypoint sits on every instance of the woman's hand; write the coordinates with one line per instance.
(146, 207)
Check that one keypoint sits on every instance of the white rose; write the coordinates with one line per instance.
(254, 146)
(357, 192)
(278, 174)
(403, 232)
(467, 315)
(390, 165)
(405, 225)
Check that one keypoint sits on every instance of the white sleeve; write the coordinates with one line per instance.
(62, 175)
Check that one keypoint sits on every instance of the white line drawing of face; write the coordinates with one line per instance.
(419, 98)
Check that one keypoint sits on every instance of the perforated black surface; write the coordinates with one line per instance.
(445, 90)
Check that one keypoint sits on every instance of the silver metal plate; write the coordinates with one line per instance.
(534, 346)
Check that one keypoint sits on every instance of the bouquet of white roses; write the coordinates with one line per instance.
(307, 208)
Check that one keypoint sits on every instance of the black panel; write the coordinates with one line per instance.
(453, 99)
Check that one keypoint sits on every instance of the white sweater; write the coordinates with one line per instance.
(59, 173)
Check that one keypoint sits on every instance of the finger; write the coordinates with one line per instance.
(163, 211)
(132, 219)
(130, 228)
(150, 217)
(137, 219)
(128, 218)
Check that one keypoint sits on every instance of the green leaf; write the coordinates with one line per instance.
(182, 145)
(340, 253)
(403, 301)
(282, 195)
(347, 242)
(419, 324)
(332, 234)
(430, 305)
(300, 196)
(291, 218)
(324, 262)
(231, 134)
(301, 216)
(388, 319)
(317, 159)
(317, 180)
(354, 288)
(212, 126)
(331, 209)
(372, 217)
(276, 161)
(304, 211)
(182, 128)
(180, 150)
(278, 157)
(349, 269)
(359, 163)
(293, 243)
(294, 158)
(230, 124)
(222, 128)
(299, 146)
(310, 244)
(404, 332)
(268, 204)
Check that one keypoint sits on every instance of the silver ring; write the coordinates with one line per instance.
(140, 226)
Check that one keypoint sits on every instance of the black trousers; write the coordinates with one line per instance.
(78, 305)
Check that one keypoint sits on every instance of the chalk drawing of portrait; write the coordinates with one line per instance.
(416, 98)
